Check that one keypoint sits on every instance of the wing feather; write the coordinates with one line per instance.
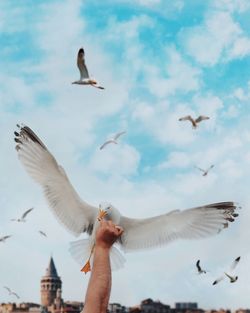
(193, 223)
(81, 65)
(76, 215)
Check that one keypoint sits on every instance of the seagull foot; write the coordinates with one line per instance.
(101, 214)
(86, 268)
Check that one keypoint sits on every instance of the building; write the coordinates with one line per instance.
(150, 306)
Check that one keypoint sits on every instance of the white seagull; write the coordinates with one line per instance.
(80, 217)
(84, 74)
(205, 172)
(22, 218)
(4, 238)
(11, 293)
(112, 140)
(199, 269)
(194, 121)
(232, 278)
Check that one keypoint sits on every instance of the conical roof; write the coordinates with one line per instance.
(51, 269)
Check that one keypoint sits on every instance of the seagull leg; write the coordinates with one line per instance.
(87, 267)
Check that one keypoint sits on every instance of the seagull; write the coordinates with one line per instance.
(22, 218)
(205, 172)
(42, 233)
(194, 121)
(200, 270)
(112, 140)
(84, 74)
(11, 293)
(80, 217)
(233, 279)
(4, 238)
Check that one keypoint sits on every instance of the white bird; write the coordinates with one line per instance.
(199, 269)
(112, 140)
(84, 74)
(232, 278)
(11, 293)
(194, 121)
(4, 238)
(205, 172)
(22, 218)
(42, 233)
(80, 217)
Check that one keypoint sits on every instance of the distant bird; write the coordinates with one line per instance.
(80, 217)
(200, 270)
(4, 238)
(194, 121)
(112, 140)
(84, 74)
(232, 278)
(42, 233)
(22, 218)
(11, 293)
(205, 172)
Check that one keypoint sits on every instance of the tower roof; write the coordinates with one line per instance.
(51, 269)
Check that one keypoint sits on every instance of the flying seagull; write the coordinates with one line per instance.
(205, 172)
(200, 270)
(11, 293)
(194, 121)
(4, 238)
(112, 140)
(80, 217)
(42, 233)
(84, 74)
(232, 278)
(22, 218)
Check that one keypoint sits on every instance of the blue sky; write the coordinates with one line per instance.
(158, 60)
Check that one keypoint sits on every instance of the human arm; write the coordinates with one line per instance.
(98, 292)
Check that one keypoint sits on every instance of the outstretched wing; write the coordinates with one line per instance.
(188, 224)
(212, 166)
(81, 64)
(42, 233)
(7, 288)
(27, 212)
(76, 215)
(218, 280)
(200, 169)
(198, 265)
(235, 263)
(106, 143)
(119, 134)
(186, 118)
(16, 295)
(5, 237)
(201, 118)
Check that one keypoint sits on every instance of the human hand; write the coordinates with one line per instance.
(107, 233)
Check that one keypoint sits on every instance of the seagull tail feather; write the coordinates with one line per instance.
(80, 250)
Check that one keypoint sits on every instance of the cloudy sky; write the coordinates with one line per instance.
(159, 60)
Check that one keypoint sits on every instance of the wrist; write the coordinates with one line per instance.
(102, 247)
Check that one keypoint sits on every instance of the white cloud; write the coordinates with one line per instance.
(210, 41)
(178, 76)
(176, 160)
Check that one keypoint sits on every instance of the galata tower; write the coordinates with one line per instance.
(50, 283)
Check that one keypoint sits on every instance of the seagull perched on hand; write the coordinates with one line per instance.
(112, 140)
(194, 121)
(232, 278)
(200, 270)
(80, 217)
(11, 293)
(4, 238)
(22, 218)
(84, 74)
(205, 172)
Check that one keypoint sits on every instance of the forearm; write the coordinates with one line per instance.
(98, 292)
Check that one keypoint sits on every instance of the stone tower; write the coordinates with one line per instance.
(50, 283)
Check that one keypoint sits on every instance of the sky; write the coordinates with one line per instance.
(158, 60)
